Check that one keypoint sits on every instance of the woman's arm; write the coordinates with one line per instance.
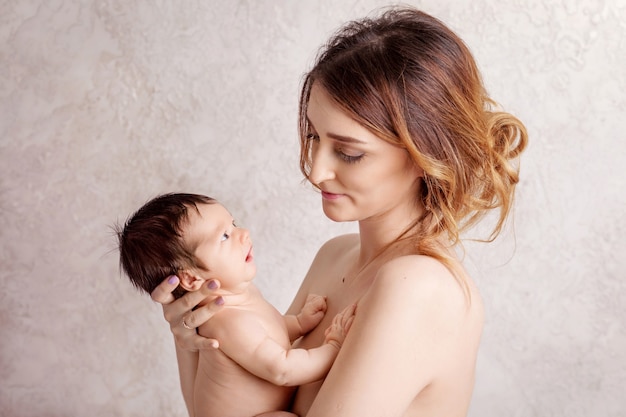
(187, 370)
(401, 338)
(187, 341)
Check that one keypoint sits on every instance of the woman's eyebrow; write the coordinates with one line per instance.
(337, 137)
(345, 139)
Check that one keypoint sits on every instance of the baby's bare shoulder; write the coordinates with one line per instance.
(232, 321)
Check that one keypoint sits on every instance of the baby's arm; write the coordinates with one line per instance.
(309, 317)
(260, 355)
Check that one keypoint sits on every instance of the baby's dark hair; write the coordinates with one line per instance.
(150, 243)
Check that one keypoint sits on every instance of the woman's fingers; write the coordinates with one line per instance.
(190, 340)
(176, 310)
(203, 314)
(185, 333)
(163, 293)
(179, 312)
(182, 317)
(206, 343)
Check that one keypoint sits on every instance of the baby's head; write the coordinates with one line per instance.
(179, 234)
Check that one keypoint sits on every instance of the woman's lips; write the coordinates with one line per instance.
(330, 196)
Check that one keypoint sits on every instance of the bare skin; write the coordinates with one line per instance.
(411, 350)
(254, 369)
(413, 318)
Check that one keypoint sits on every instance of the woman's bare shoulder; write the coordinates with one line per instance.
(337, 246)
(426, 279)
(341, 242)
(411, 331)
(421, 269)
(420, 289)
(417, 266)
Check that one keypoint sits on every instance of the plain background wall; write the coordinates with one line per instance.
(107, 103)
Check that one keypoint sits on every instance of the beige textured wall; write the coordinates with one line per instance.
(107, 103)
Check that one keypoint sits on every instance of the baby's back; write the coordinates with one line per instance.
(225, 389)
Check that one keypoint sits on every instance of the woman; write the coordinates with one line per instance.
(398, 133)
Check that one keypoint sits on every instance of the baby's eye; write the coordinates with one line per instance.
(224, 237)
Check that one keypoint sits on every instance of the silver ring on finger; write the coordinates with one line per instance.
(186, 326)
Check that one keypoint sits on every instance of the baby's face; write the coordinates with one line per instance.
(223, 250)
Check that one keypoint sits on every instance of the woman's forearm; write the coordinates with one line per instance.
(187, 369)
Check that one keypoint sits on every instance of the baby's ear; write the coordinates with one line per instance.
(189, 281)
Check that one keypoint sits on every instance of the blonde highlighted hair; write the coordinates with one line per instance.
(413, 82)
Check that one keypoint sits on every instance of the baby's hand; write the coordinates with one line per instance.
(338, 329)
(312, 312)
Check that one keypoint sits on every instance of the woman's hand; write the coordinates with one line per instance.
(178, 313)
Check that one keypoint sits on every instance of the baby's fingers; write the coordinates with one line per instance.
(317, 302)
(349, 311)
(345, 318)
(348, 324)
(320, 303)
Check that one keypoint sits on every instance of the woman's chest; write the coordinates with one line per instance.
(339, 295)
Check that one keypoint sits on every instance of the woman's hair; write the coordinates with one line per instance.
(411, 81)
(151, 242)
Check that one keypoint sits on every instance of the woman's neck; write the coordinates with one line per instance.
(379, 232)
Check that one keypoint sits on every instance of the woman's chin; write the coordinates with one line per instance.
(338, 216)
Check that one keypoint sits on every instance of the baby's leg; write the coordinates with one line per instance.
(277, 414)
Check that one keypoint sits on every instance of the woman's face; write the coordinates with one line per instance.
(360, 175)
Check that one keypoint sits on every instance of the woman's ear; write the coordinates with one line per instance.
(189, 281)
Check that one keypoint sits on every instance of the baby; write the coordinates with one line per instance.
(254, 371)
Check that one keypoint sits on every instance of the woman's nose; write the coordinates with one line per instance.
(322, 168)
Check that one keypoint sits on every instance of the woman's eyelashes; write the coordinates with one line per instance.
(351, 159)
(345, 155)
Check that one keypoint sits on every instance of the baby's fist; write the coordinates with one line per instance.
(312, 312)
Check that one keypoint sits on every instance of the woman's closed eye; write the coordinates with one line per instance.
(350, 158)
